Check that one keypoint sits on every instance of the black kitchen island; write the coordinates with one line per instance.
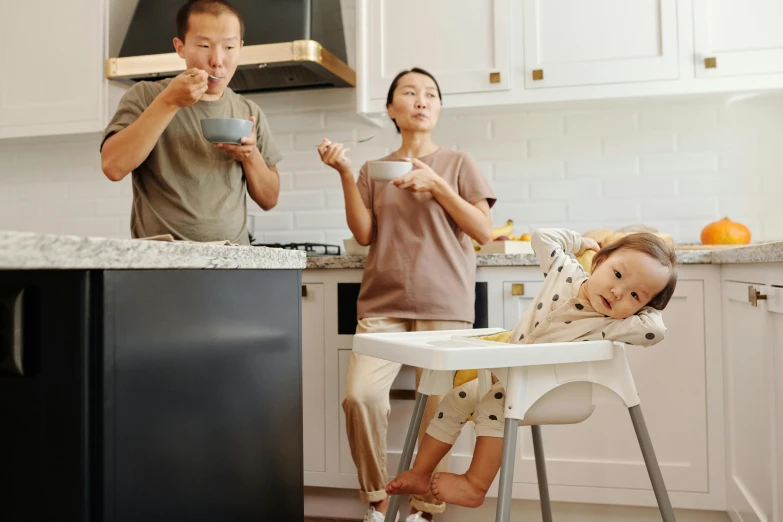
(146, 387)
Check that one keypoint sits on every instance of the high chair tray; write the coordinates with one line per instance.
(454, 350)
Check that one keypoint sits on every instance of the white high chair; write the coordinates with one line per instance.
(548, 383)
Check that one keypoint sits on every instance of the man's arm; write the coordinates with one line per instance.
(263, 182)
(128, 148)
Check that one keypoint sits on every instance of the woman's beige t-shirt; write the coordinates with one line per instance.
(421, 265)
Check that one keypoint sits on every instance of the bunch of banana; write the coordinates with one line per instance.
(503, 230)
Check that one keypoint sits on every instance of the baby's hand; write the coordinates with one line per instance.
(588, 244)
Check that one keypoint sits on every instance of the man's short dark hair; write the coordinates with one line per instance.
(211, 7)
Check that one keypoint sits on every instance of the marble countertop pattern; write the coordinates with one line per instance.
(31, 251)
(761, 253)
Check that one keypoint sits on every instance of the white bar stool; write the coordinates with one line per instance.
(548, 383)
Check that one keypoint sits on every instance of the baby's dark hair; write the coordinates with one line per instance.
(656, 248)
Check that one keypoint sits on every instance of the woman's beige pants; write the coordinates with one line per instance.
(367, 407)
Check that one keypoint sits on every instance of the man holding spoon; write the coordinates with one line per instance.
(182, 184)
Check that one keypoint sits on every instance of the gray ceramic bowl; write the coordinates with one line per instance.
(225, 130)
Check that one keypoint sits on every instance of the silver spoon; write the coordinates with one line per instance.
(361, 140)
(213, 78)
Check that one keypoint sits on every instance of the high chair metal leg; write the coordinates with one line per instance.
(407, 452)
(503, 513)
(543, 485)
(653, 469)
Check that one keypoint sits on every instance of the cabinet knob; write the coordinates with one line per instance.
(518, 289)
(538, 74)
(304, 291)
(494, 77)
(710, 63)
(754, 296)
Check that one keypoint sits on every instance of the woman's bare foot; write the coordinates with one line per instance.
(457, 490)
(411, 481)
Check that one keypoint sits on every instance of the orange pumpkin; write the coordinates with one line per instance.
(725, 232)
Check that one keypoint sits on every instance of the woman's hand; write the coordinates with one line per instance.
(588, 244)
(333, 154)
(421, 179)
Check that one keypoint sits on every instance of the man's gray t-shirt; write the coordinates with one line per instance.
(186, 187)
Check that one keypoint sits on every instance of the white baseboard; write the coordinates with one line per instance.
(341, 503)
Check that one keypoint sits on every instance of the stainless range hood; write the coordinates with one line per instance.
(289, 44)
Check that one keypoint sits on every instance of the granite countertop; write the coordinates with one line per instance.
(28, 251)
(761, 253)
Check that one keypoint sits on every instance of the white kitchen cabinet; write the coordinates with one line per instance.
(313, 376)
(52, 62)
(463, 43)
(737, 38)
(753, 334)
(578, 42)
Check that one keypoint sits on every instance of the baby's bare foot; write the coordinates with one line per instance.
(411, 481)
(456, 489)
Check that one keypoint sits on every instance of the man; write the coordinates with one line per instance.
(182, 184)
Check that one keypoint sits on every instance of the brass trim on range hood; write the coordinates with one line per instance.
(288, 53)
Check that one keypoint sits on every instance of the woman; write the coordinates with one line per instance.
(421, 270)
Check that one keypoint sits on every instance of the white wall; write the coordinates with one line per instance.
(676, 165)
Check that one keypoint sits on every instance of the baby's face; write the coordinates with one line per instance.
(625, 282)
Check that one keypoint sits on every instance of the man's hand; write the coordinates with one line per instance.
(187, 88)
(246, 149)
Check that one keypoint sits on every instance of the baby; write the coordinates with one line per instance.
(632, 279)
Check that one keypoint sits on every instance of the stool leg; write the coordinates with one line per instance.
(653, 469)
(543, 485)
(407, 452)
(503, 513)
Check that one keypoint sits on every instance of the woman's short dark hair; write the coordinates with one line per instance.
(396, 80)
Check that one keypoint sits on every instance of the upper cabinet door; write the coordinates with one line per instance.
(52, 61)
(463, 43)
(589, 42)
(737, 38)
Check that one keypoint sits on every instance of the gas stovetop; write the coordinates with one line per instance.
(312, 249)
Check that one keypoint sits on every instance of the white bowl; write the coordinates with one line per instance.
(353, 248)
(388, 170)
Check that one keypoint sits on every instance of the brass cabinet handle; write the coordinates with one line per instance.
(517, 289)
(538, 74)
(710, 63)
(494, 77)
(754, 296)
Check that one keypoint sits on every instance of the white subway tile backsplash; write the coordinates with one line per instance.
(320, 219)
(336, 237)
(523, 213)
(565, 190)
(304, 200)
(273, 220)
(603, 210)
(510, 190)
(680, 208)
(528, 170)
(603, 167)
(335, 199)
(306, 122)
(565, 147)
(600, 123)
(638, 188)
(527, 126)
(294, 236)
(675, 166)
(678, 118)
(322, 179)
(647, 142)
(689, 162)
